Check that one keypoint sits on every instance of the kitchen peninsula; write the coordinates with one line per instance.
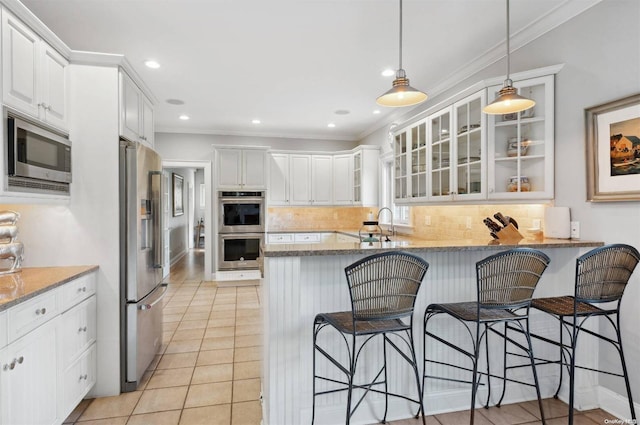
(301, 280)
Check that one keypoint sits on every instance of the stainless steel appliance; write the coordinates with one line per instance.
(239, 251)
(140, 260)
(241, 212)
(38, 160)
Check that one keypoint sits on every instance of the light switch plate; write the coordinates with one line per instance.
(575, 230)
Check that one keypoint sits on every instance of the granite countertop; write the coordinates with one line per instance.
(31, 281)
(411, 244)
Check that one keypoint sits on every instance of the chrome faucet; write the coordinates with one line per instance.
(392, 229)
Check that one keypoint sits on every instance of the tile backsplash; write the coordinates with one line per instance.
(445, 222)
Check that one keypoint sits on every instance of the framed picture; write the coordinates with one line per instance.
(613, 150)
(178, 204)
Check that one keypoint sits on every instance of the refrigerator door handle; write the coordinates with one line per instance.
(156, 217)
(159, 298)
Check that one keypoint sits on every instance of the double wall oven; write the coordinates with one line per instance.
(240, 229)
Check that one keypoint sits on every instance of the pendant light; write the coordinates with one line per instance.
(508, 100)
(401, 94)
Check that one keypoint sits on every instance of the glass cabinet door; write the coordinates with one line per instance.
(357, 177)
(419, 161)
(400, 166)
(440, 146)
(469, 142)
(521, 145)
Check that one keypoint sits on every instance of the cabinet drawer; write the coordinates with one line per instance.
(308, 237)
(30, 314)
(280, 238)
(78, 380)
(77, 330)
(77, 290)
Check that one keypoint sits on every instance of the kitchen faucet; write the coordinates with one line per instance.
(392, 228)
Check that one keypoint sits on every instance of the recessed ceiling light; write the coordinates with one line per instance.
(175, 102)
(342, 112)
(184, 117)
(388, 73)
(331, 125)
(376, 112)
(152, 64)
(256, 121)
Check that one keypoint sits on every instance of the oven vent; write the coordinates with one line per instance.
(21, 184)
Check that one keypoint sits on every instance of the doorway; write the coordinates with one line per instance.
(187, 217)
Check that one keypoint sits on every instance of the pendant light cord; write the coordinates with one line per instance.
(400, 50)
(508, 49)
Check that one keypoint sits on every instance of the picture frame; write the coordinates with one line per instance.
(177, 194)
(613, 150)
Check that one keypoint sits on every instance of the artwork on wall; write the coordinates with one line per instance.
(178, 204)
(613, 150)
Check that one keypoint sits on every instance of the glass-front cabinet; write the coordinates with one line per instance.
(440, 146)
(400, 149)
(418, 161)
(521, 145)
(469, 148)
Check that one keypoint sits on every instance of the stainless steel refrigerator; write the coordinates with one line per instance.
(141, 285)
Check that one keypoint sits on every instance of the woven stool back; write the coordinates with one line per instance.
(603, 273)
(384, 286)
(507, 280)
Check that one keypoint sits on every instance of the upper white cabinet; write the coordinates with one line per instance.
(340, 178)
(461, 154)
(34, 75)
(521, 146)
(136, 112)
(244, 169)
(344, 179)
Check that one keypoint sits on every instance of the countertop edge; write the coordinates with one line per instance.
(306, 250)
(34, 293)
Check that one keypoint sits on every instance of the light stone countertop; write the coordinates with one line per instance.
(409, 244)
(32, 281)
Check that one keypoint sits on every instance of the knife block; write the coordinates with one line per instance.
(509, 234)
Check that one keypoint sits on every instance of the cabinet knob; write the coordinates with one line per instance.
(83, 377)
(83, 289)
(20, 359)
(12, 365)
(42, 311)
(82, 329)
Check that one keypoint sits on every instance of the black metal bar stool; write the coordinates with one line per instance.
(383, 289)
(505, 284)
(602, 275)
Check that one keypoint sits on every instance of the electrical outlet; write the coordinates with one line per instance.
(575, 230)
(427, 220)
(536, 223)
(468, 222)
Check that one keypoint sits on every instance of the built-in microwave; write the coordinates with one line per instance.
(37, 159)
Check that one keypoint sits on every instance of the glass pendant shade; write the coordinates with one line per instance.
(401, 94)
(508, 101)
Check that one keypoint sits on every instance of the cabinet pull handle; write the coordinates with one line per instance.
(42, 311)
(83, 289)
(20, 359)
(82, 329)
(83, 377)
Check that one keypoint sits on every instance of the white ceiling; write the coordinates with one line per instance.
(293, 63)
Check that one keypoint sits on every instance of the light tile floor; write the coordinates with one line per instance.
(208, 371)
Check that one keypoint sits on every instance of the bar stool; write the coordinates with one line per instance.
(383, 289)
(602, 275)
(505, 284)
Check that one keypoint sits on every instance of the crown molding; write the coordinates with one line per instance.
(177, 130)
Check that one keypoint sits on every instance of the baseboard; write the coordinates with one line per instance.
(615, 404)
(177, 258)
(234, 283)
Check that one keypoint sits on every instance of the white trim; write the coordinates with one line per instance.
(614, 403)
(208, 239)
(305, 136)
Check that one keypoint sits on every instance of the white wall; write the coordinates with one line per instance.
(601, 63)
(199, 212)
(181, 233)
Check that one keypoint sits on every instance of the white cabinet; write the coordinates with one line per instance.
(34, 75)
(321, 179)
(300, 179)
(344, 180)
(365, 179)
(28, 378)
(136, 112)
(278, 179)
(521, 146)
(49, 364)
(241, 168)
